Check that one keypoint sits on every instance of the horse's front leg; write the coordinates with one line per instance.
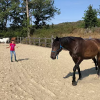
(74, 83)
(79, 72)
(77, 61)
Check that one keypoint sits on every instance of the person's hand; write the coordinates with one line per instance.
(7, 47)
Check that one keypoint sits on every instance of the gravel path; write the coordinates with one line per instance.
(37, 77)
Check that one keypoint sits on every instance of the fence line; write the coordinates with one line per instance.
(46, 42)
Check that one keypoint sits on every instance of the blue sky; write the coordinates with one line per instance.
(72, 10)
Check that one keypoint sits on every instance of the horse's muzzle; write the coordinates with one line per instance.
(53, 57)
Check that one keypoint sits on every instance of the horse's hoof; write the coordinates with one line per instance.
(74, 83)
(80, 78)
(96, 68)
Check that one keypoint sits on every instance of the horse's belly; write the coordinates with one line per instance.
(88, 54)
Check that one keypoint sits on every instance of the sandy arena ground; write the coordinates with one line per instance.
(37, 77)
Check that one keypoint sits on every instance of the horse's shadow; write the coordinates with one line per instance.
(85, 73)
(23, 59)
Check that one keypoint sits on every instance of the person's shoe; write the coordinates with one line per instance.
(11, 61)
(16, 60)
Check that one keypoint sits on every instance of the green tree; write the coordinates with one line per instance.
(11, 10)
(4, 12)
(17, 16)
(90, 17)
(42, 10)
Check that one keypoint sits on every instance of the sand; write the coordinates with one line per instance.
(37, 77)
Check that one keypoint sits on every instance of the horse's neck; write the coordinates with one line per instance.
(66, 45)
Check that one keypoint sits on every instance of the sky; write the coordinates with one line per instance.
(72, 10)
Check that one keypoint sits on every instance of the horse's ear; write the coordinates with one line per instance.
(57, 38)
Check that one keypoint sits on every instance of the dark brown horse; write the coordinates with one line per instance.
(79, 50)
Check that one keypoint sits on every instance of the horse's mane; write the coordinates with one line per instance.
(69, 39)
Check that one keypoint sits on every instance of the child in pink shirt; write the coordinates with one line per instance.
(12, 50)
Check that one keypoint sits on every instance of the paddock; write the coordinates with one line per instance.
(37, 77)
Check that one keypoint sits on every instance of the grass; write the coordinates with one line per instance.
(67, 29)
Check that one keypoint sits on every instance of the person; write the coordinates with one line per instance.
(12, 50)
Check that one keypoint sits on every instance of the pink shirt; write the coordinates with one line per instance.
(12, 47)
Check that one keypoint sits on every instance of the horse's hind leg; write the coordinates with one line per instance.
(95, 61)
(98, 60)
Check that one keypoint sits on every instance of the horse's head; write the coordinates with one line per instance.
(56, 48)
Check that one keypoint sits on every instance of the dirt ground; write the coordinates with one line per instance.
(37, 77)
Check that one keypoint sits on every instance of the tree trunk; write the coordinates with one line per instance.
(28, 22)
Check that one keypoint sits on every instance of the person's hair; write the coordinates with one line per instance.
(11, 41)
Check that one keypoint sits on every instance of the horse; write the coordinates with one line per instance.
(79, 50)
(94, 60)
(5, 40)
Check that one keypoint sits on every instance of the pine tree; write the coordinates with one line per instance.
(90, 17)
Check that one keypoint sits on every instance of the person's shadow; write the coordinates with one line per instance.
(23, 59)
(85, 73)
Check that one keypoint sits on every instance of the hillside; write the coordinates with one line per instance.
(68, 29)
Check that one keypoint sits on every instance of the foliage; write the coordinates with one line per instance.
(14, 11)
(90, 17)
(8, 11)
(42, 11)
(19, 31)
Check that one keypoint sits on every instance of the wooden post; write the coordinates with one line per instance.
(29, 39)
(51, 40)
(20, 39)
(34, 40)
(26, 40)
(39, 41)
(45, 41)
(17, 39)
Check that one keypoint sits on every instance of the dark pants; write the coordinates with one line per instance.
(13, 52)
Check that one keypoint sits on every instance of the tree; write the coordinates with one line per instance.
(10, 11)
(4, 12)
(25, 9)
(28, 21)
(42, 10)
(90, 17)
(16, 15)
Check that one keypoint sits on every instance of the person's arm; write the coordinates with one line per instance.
(16, 46)
(8, 47)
